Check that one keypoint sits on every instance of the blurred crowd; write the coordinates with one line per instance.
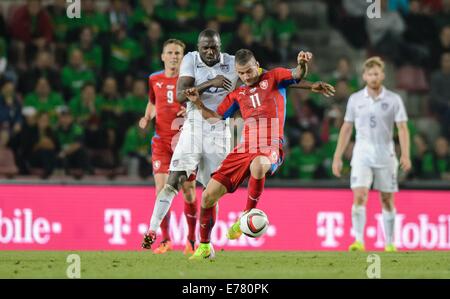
(72, 90)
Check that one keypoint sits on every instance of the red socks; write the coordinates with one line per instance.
(165, 227)
(255, 188)
(207, 221)
(190, 211)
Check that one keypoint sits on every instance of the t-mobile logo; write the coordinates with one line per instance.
(117, 224)
(330, 225)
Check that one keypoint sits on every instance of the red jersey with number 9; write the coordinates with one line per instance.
(263, 107)
(162, 94)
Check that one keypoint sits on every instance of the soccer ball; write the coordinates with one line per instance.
(254, 223)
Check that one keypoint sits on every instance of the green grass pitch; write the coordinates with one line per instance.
(228, 264)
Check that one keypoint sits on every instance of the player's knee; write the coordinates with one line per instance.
(176, 179)
(208, 199)
(189, 192)
(259, 167)
(360, 197)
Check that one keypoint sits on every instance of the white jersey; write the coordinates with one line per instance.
(193, 66)
(374, 122)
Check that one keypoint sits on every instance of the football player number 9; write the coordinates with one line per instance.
(170, 96)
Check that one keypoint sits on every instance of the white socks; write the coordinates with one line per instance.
(162, 206)
(359, 222)
(389, 222)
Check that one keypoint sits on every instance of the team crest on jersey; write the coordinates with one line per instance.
(170, 86)
(253, 90)
(175, 163)
(264, 84)
(159, 84)
(384, 106)
(225, 68)
(156, 164)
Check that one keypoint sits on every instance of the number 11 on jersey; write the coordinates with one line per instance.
(255, 100)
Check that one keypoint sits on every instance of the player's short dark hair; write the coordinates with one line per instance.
(210, 33)
(174, 41)
(243, 56)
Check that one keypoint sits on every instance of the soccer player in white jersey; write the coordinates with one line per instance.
(202, 146)
(373, 110)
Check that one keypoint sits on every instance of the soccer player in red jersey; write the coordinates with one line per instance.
(165, 108)
(262, 101)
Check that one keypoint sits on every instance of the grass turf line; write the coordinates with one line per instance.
(229, 264)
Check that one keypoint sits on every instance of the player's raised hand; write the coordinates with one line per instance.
(323, 88)
(192, 94)
(304, 57)
(143, 122)
(221, 81)
(405, 163)
(337, 167)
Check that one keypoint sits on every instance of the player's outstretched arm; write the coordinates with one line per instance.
(302, 68)
(185, 83)
(321, 87)
(343, 140)
(194, 96)
(150, 113)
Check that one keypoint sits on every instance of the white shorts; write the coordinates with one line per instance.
(384, 179)
(201, 147)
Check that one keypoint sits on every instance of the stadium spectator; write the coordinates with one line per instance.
(284, 31)
(442, 158)
(223, 11)
(440, 93)
(399, 5)
(76, 74)
(7, 69)
(182, 19)
(329, 133)
(8, 166)
(443, 17)
(92, 52)
(86, 104)
(71, 156)
(93, 18)
(245, 40)
(305, 160)
(344, 71)
(10, 108)
(225, 36)
(342, 94)
(151, 43)
(442, 46)
(135, 103)
(141, 17)
(99, 144)
(43, 66)
(350, 20)
(261, 26)
(43, 99)
(422, 161)
(124, 56)
(136, 152)
(118, 14)
(32, 30)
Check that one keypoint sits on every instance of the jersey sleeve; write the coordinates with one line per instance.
(187, 66)
(400, 111)
(151, 91)
(228, 106)
(284, 77)
(350, 111)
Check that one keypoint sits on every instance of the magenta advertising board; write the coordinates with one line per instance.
(115, 218)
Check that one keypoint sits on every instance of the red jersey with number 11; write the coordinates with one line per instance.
(162, 94)
(263, 107)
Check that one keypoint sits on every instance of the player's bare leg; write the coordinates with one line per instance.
(210, 196)
(388, 211)
(190, 211)
(162, 204)
(258, 168)
(359, 217)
